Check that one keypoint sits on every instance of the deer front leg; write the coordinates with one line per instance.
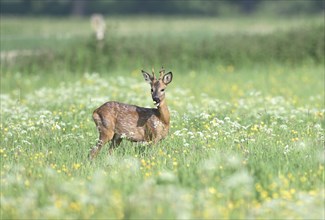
(115, 142)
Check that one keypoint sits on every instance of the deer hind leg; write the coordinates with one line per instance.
(115, 142)
(104, 137)
(105, 134)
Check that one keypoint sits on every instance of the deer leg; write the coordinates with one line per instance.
(105, 135)
(115, 142)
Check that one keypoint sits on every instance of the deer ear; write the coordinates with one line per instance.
(167, 78)
(147, 77)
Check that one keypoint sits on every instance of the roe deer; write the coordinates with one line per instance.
(115, 120)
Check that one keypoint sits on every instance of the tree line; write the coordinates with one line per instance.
(159, 7)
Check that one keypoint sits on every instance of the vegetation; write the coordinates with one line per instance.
(247, 106)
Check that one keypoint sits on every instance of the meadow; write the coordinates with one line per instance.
(247, 119)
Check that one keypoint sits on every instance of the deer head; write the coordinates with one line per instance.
(159, 85)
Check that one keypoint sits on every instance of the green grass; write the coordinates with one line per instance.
(143, 41)
(246, 138)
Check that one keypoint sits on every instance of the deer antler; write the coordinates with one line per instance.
(153, 73)
(161, 72)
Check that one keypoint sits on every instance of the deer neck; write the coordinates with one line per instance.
(164, 112)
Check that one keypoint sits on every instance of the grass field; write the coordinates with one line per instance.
(246, 137)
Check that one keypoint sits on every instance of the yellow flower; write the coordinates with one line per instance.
(58, 203)
(312, 193)
(230, 205)
(258, 187)
(264, 194)
(319, 114)
(273, 186)
(212, 190)
(75, 206)
(255, 128)
(285, 194)
(159, 210)
(76, 166)
(291, 177)
(294, 132)
(303, 179)
(294, 139)
(275, 195)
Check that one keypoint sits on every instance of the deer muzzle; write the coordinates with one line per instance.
(156, 101)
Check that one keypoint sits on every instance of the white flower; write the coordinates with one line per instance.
(178, 133)
(284, 127)
(204, 115)
(286, 149)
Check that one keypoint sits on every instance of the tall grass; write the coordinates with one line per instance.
(187, 51)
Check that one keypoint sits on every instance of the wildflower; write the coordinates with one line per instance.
(58, 203)
(275, 195)
(230, 205)
(286, 194)
(284, 127)
(204, 115)
(286, 150)
(75, 206)
(303, 179)
(258, 187)
(255, 127)
(76, 166)
(212, 190)
(319, 114)
(294, 139)
(294, 132)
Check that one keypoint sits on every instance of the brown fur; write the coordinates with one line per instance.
(115, 120)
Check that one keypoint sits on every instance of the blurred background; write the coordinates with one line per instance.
(160, 7)
(205, 36)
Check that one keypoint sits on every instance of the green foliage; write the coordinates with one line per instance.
(298, 45)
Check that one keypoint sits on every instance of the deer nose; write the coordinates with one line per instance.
(156, 99)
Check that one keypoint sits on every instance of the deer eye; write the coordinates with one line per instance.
(151, 90)
(162, 90)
